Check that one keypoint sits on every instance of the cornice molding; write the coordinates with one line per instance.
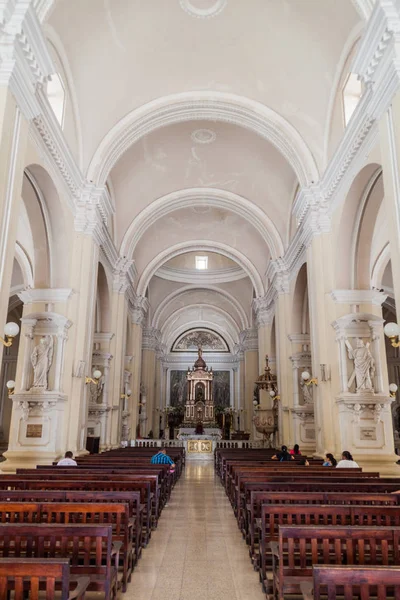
(358, 297)
(197, 277)
(46, 295)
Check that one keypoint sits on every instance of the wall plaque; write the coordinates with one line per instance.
(368, 433)
(34, 430)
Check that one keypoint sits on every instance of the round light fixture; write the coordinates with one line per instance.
(11, 329)
(272, 393)
(305, 376)
(391, 330)
(97, 374)
(10, 384)
(393, 388)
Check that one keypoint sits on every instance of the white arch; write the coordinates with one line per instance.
(190, 288)
(167, 334)
(25, 264)
(204, 106)
(200, 245)
(203, 197)
(379, 267)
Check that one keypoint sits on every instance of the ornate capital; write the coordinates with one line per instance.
(151, 338)
(121, 280)
(263, 310)
(139, 309)
(278, 274)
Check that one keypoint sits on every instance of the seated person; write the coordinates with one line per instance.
(347, 461)
(162, 458)
(283, 455)
(330, 460)
(68, 460)
(296, 450)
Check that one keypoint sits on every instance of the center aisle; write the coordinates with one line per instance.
(197, 552)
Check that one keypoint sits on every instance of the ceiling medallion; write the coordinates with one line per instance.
(203, 9)
(203, 136)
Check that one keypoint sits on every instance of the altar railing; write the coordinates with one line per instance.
(158, 443)
(180, 444)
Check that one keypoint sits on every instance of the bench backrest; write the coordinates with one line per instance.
(302, 547)
(355, 581)
(27, 577)
(86, 546)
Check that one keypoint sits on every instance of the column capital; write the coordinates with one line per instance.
(124, 274)
(264, 310)
(278, 275)
(138, 310)
(45, 295)
(151, 338)
(248, 340)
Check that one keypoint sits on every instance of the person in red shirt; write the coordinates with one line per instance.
(295, 451)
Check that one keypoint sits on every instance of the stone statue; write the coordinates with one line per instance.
(96, 391)
(306, 390)
(364, 366)
(41, 359)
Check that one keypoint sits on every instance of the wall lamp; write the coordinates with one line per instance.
(10, 387)
(11, 330)
(308, 380)
(96, 377)
(393, 389)
(392, 331)
(274, 395)
(127, 395)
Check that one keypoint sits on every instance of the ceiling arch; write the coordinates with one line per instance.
(201, 106)
(200, 315)
(203, 197)
(184, 291)
(200, 245)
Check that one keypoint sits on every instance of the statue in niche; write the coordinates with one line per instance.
(41, 359)
(364, 366)
(306, 390)
(96, 391)
(199, 393)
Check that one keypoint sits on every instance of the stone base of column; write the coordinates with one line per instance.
(385, 465)
(26, 460)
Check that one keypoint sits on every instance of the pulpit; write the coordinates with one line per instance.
(199, 405)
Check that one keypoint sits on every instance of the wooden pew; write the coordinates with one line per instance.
(116, 515)
(299, 548)
(365, 582)
(132, 499)
(72, 486)
(259, 499)
(27, 577)
(276, 516)
(89, 549)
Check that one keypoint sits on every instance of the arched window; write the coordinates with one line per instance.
(56, 96)
(352, 91)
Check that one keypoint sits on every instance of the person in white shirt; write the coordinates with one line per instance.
(67, 461)
(347, 461)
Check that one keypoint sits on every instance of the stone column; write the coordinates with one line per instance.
(250, 354)
(303, 395)
(150, 343)
(320, 261)
(364, 414)
(119, 322)
(78, 360)
(37, 432)
(138, 312)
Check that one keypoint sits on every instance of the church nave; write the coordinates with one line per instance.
(197, 552)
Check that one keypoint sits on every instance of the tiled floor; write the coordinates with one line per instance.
(197, 552)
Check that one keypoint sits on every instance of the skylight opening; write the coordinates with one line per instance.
(201, 263)
(351, 96)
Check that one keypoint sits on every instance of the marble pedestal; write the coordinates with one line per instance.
(199, 447)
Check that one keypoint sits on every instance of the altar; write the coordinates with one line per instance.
(199, 446)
